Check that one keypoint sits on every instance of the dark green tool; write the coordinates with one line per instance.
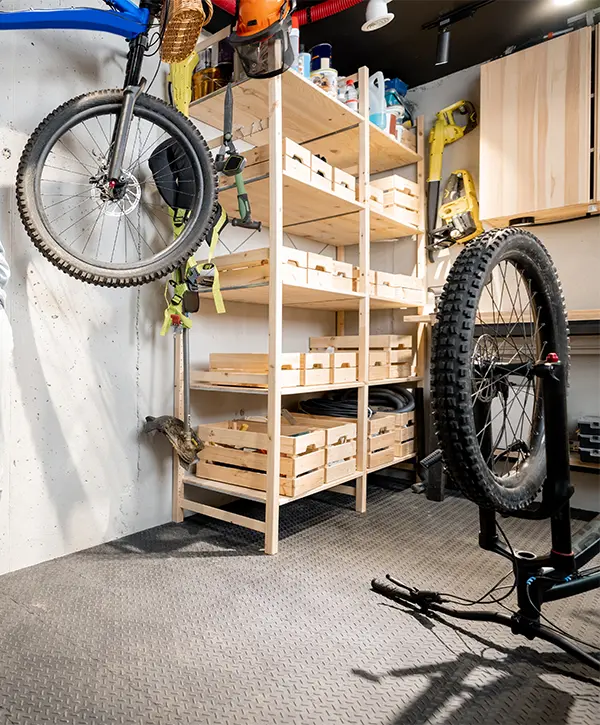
(230, 163)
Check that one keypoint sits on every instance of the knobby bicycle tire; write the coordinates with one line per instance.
(39, 146)
(452, 353)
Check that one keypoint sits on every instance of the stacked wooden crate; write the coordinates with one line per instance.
(301, 164)
(405, 434)
(390, 356)
(381, 438)
(400, 198)
(248, 370)
(340, 439)
(236, 452)
(399, 287)
(297, 369)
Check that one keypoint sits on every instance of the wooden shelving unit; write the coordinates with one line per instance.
(266, 112)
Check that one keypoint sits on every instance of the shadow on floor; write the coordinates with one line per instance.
(460, 689)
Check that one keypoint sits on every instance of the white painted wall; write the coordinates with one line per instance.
(89, 363)
(574, 247)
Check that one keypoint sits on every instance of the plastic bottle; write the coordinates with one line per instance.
(377, 99)
(295, 41)
(351, 96)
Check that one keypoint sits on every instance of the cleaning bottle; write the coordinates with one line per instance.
(295, 41)
(377, 99)
(351, 96)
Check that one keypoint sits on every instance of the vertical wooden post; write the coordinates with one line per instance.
(275, 313)
(340, 318)
(178, 488)
(420, 336)
(364, 166)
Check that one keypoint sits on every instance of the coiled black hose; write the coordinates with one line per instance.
(391, 399)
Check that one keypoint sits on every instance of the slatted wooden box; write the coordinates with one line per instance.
(296, 161)
(252, 267)
(235, 452)
(326, 273)
(401, 198)
(248, 370)
(340, 456)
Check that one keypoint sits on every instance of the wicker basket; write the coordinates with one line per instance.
(182, 27)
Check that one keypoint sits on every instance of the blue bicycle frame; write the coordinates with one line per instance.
(124, 18)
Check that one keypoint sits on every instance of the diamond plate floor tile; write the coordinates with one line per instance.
(192, 624)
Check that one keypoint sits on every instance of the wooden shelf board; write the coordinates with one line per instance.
(227, 488)
(260, 496)
(572, 316)
(296, 390)
(576, 462)
(293, 296)
(385, 303)
(331, 484)
(308, 112)
(301, 389)
(391, 463)
(395, 381)
(327, 215)
(341, 150)
(385, 228)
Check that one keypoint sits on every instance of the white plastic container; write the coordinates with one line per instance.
(377, 100)
(351, 96)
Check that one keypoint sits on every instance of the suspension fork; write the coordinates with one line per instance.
(134, 86)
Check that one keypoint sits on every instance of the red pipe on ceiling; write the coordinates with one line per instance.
(307, 15)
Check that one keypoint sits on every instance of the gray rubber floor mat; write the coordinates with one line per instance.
(192, 624)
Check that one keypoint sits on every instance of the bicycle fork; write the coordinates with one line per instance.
(134, 87)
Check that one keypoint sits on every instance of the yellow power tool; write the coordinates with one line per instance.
(459, 212)
(445, 131)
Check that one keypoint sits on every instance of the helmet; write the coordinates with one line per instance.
(261, 36)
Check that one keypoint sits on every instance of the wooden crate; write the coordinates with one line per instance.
(322, 274)
(235, 452)
(340, 469)
(380, 423)
(382, 440)
(296, 161)
(405, 433)
(351, 342)
(380, 458)
(401, 450)
(394, 182)
(337, 430)
(322, 173)
(247, 369)
(375, 198)
(407, 136)
(404, 419)
(400, 370)
(344, 184)
(340, 453)
(315, 368)
(252, 267)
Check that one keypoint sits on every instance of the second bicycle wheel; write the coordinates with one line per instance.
(72, 213)
(501, 312)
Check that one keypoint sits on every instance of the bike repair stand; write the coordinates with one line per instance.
(539, 579)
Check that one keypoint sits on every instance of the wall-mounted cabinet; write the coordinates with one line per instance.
(536, 135)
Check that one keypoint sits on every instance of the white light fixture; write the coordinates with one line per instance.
(377, 16)
(563, 2)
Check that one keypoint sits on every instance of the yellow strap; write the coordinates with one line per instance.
(216, 286)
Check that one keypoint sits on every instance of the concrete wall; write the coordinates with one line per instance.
(89, 363)
(574, 247)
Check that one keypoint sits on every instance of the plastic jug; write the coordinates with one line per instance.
(377, 99)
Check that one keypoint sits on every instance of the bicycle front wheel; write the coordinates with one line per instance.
(501, 311)
(71, 211)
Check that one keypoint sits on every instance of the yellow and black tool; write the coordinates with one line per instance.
(459, 212)
(445, 131)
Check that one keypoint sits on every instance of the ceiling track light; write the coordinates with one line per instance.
(443, 23)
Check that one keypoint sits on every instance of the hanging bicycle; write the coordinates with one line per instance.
(87, 181)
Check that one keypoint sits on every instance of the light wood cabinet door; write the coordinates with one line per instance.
(597, 118)
(536, 132)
